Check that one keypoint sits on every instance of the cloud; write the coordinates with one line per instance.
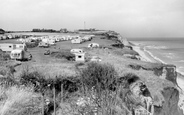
(131, 18)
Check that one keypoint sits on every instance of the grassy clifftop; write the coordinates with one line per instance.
(111, 86)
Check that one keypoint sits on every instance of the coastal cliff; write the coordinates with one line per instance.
(165, 101)
(163, 71)
(116, 85)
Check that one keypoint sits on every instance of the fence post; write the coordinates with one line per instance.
(54, 92)
(42, 104)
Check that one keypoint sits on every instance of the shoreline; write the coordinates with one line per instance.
(147, 56)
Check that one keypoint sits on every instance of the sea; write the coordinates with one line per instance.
(165, 50)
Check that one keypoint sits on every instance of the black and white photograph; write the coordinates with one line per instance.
(91, 57)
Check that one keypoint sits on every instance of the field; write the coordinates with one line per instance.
(43, 62)
(51, 85)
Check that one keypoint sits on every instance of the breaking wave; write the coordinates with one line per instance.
(169, 55)
(154, 57)
(156, 47)
(182, 61)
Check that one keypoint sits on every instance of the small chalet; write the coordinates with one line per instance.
(80, 57)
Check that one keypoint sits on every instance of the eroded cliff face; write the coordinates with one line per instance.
(163, 71)
(170, 103)
(166, 101)
(123, 40)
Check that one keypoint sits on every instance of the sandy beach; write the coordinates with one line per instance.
(148, 57)
(144, 55)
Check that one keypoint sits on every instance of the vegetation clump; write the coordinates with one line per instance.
(118, 45)
(63, 54)
(4, 56)
(32, 44)
(98, 75)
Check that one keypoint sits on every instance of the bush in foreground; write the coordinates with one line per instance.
(100, 76)
(19, 101)
(99, 97)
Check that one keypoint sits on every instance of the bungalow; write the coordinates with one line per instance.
(88, 37)
(76, 41)
(67, 37)
(21, 46)
(8, 47)
(63, 38)
(43, 44)
(21, 40)
(93, 45)
(76, 51)
(57, 39)
(49, 41)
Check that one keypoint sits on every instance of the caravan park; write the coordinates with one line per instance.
(84, 73)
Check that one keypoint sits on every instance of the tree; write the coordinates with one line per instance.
(2, 31)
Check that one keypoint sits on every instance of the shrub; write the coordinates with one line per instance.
(32, 44)
(100, 76)
(34, 78)
(7, 71)
(20, 101)
(97, 80)
(78, 65)
(118, 45)
(63, 54)
(4, 56)
(124, 51)
(7, 82)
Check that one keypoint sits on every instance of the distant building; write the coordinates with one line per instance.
(63, 30)
(36, 30)
(85, 31)
(2, 31)
(43, 30)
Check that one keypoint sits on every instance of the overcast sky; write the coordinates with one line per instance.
(131, 18)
